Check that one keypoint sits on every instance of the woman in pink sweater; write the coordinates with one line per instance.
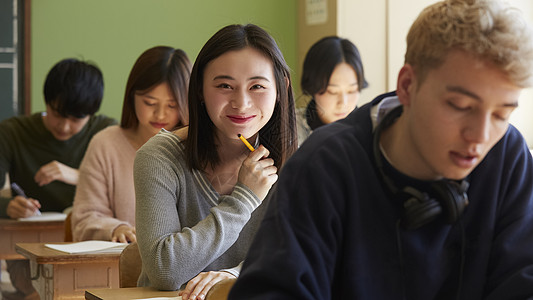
(155, 99)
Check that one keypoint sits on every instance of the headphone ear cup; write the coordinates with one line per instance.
(419, 209)
(452, 197)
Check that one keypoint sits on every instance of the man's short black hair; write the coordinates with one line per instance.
(74, 88)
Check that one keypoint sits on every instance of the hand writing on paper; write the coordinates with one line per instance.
(21, 207)
(56, 171)
(258, 172)
(198, 287)
(124, 234)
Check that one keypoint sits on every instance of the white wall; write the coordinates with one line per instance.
(365, 24)
(522, 118)
(379, 28)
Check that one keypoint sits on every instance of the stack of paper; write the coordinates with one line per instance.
(89, 247)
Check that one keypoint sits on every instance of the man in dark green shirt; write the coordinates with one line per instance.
(42, 152)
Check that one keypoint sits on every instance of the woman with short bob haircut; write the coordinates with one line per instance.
(333, 76)
(200, 190)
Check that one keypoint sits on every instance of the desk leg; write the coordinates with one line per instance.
(69, 281)
(43, 280)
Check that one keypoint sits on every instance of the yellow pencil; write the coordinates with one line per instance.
(246, 142)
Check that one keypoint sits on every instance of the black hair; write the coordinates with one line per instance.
(278, 135)
(74, 88)
(321, 60)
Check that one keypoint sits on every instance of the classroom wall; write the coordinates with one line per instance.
(314, 23)
(365, 24)
(114, 33)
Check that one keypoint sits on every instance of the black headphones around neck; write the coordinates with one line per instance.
(421, 207)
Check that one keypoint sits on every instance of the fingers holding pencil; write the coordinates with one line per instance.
(21, 207)
(258, 172)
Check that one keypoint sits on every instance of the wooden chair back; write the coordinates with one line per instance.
(129, 266)
(68, 228)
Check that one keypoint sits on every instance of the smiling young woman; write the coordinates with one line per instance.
(200, 191)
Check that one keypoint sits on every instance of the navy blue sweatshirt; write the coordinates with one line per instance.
(331, 230)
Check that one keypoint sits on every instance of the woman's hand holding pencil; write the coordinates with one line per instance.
(258, 172)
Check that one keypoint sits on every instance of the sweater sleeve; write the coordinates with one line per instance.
(93, 217)
(171, 252)
(511, 272)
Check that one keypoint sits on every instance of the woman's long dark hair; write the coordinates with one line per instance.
(278, 135)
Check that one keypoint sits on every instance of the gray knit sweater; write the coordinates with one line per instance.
(183, 225)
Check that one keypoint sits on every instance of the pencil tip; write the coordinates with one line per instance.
(238, 135)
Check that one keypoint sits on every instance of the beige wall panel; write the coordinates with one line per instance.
(522, 117)
(364, 23)
(308, 34)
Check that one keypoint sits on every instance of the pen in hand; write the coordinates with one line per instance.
(19, 191)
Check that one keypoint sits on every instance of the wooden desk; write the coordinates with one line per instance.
(13, 231)
(127, 293)
(58, 275)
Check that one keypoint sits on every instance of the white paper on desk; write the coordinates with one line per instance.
(162, 298)
(89, 247)
(46, 216)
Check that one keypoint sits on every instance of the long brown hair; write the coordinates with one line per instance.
(155, 66)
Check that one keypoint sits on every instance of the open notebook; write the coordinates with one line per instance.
(89, 247)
